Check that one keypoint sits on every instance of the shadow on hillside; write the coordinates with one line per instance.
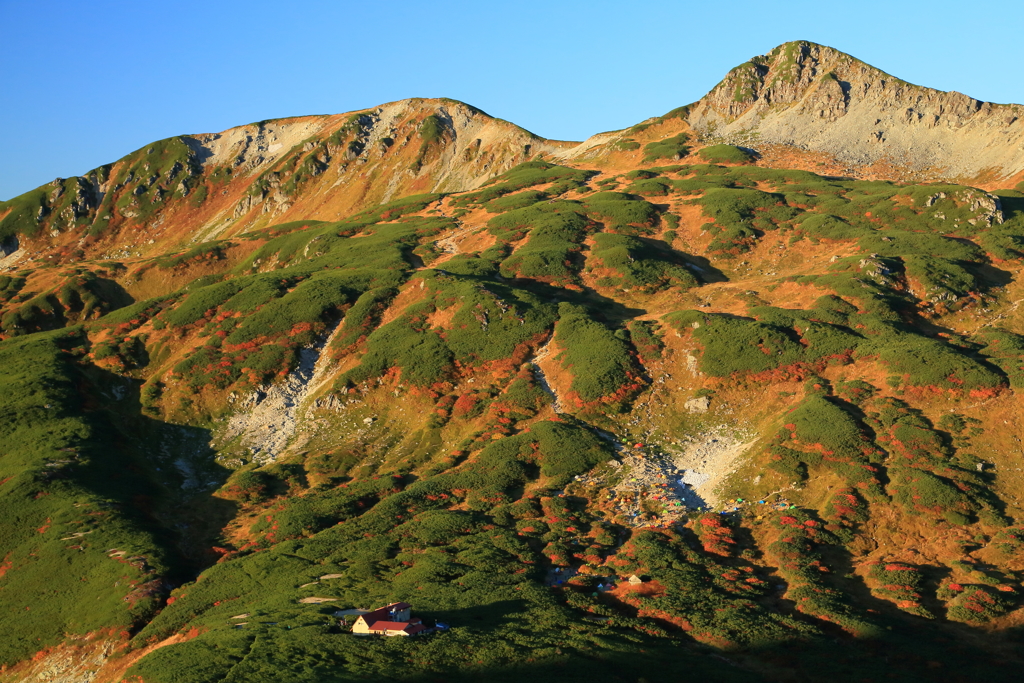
(990, 275)
(901, 655)
(199, 149)
(597, 666)
(602, 308)
(671, 661)
(702, 267)
(158, 475)
(1012, 206)
(113, 293)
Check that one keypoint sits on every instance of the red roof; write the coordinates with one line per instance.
(409, 627)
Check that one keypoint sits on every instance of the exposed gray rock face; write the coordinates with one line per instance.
(700, 404)
(268, 418)
(819, 99)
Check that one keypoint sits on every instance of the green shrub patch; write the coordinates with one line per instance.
(556, 232)
(519, 200)
(492, 322)
(646, 339)
(621, 212)
(900, 584)
(670, 148)
(724, 154)
(796, 552)
(644, 264)
(821, 433)
(740, 215)
(523, 176)
(600, 363)
(733, 345)
(976, 604)
(1005, 350)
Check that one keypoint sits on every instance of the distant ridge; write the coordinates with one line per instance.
(801, 96)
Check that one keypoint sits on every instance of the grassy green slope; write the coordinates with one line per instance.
(466, 508)
(78, 554)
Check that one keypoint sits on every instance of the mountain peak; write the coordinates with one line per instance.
(817, 98)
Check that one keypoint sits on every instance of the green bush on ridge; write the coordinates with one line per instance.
(492, 320)
(669, 148)
(739, 215)
(622, 212)
(523, 176)
(724, 154)
(556, 232)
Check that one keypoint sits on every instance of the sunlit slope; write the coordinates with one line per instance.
(263, 377)
(464, 381)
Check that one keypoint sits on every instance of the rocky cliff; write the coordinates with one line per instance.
(817, 98)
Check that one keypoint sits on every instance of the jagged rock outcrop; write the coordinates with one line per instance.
(396, 149)
(817, 98)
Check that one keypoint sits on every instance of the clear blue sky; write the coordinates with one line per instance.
(84, 83)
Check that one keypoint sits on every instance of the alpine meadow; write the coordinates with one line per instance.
(413, 394)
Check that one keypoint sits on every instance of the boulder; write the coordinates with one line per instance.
(698, 405)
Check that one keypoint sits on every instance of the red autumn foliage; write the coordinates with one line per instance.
(715, 536)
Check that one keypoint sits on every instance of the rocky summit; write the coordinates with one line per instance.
(413, 394)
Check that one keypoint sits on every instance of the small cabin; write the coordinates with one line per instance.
(391, 620)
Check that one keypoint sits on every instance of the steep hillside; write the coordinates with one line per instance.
(642, 407)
